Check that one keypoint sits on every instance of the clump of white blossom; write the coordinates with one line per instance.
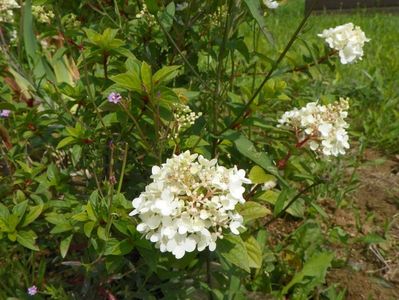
(348, 40)
(190, 203)
(183, 117)
(322, 126)
(41, 15)
(6, 10)
(271, 4)
(144, 14)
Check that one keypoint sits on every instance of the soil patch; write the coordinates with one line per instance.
(373, 270)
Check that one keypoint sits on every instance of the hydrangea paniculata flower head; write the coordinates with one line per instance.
(6, 13)
(5, 113)
(348, 40)
(324, 126)
(114, 97)
(32, 290)
(271, 4)
(190, 204)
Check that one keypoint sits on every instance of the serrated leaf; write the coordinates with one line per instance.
(64, 245)
(254, 252)
(233, 249)
(251, 210)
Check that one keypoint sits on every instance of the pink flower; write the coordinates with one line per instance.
(32, 290)
(114, 97)
(5, 113)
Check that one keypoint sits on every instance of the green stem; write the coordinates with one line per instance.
(181, 53)
(292, 201)
(271, 71)
(111, 182)
(123, 168)
(140, 131)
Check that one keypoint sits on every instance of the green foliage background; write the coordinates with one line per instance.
(72, 161)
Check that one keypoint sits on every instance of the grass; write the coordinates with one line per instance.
(372, 83)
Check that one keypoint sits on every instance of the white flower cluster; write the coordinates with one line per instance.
(42, 16)
(323, 126)
(348, 40)
(6, 13)
(144, 14)
(271, 4)
(184, 118)
(189, 204)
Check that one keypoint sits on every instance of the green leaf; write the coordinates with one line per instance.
(64, 245)
(66, 141)
(233, 249)
(165, 74)
(248, 149)
(297, 209)
(315, 267)
(80, 217)
(101, 233)
(258, 175)
(88, 228)
(4, 213)
(146, 76)
(32, 215)
(256, 12)
(129, 81)
(254, 252)
(152, 6)
(62, 227)
(167, 15)
(115, 247)
(281, 200)
(27, 239)
(35, 59)
(251, 210)
(371, 238)
(19, 210)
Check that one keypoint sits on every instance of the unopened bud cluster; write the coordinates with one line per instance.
(323, 126)
(184, 118)
(144, 14)
(41, 15)
(190, 203)
(6, 10)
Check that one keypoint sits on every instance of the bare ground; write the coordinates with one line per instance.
(372, 271)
